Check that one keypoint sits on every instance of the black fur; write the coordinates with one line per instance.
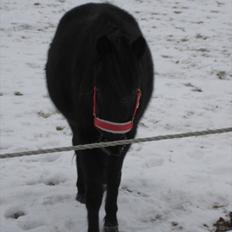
(102, 45)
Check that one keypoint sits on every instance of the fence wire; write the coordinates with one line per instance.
(115, 143)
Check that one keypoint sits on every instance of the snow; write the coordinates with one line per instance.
(176, 185)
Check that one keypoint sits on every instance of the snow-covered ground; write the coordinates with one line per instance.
(179, 185)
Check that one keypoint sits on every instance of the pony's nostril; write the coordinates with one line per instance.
(114, 150)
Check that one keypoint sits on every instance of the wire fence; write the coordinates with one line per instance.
(115, 143)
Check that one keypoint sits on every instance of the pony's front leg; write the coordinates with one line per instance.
(94, 192)
(113, 182)
(93, 170)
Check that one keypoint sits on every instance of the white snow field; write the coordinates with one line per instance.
(176, 185)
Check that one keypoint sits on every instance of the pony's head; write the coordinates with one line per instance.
(116, 90)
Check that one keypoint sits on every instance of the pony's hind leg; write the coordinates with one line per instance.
(80, 174)
(80, 182)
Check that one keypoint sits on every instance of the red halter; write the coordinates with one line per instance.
(115, 127)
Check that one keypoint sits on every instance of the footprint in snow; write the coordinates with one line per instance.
(126, 189)
(48, 180)
(14, 213)
(25, 222)
(194, 88)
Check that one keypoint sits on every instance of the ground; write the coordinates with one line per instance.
(178, 185)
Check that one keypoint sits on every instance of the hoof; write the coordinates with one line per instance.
(81, 198)
(111, 229)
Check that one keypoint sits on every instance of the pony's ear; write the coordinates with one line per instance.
(104, 45)
(139, 46)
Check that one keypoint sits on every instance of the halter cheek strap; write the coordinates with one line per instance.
(115, 127)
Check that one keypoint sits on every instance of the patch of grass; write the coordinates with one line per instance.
(221, 75)
(44, 115)
(17, 93)
(59, 128)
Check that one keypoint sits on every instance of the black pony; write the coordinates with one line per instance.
(100, 77)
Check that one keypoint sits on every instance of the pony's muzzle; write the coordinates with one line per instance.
(114, 150)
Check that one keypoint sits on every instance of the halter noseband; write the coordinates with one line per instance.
(115, 127)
